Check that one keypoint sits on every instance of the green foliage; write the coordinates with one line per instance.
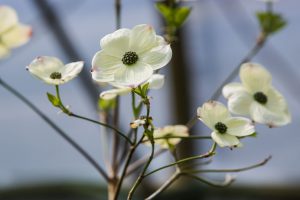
(54, 100)
(142, 90)
(174, 16)
(106, 104)
(270, 22)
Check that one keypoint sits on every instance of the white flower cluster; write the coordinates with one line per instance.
(129, 58)
(254, 97)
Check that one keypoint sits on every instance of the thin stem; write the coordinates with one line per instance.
(226, 182)
(147, 132)
(139, 163)
(102, 124)
(257, 47)
(206, 155)
(165, 186)
(142, 175)
(191, 137)
(56, 128)
(65, 110)
(127, 161)
(231, 170)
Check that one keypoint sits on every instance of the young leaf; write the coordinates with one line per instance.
(270, 22)
(166, 11)
(181, 15)
(53, 99)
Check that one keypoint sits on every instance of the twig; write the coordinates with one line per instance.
(191, 137)
(231, 170)
(225, 183)
(56, 128)
(165, 186)
(137, 164)
(206, 155)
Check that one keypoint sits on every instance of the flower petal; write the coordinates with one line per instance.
(212, 112)
(240, 126)
(157, 57)
(142, 38)
(156, 81)
(232, 88)
(16, 36)
(225, 140)
(111, 94)
(104, 66)
(240, 102)
(255, 77)
(116, 43)
(261, 114)
(4, 51)
(71, 70)
(43, 66)
(8, 18)
(134, 75)
(175, 130)
(276, 102)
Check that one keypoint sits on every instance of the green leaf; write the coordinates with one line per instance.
(145, 89)
(166, 11)
(253, 134)
(270, 22)
(54, 100)
(106, 104)
(180, 16)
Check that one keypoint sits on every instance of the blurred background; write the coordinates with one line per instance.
(35, 163)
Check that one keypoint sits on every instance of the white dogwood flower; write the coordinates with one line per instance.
(156, 81)
(129, 57)
(226, 129)
(52, 71)
(168, 131)
(12, 33)
(256, 97)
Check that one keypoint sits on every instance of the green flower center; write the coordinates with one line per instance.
(55, 75)
(130, 58)
(260, 97)
(221, 128)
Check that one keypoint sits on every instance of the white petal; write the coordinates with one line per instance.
(232, 88)
(276, 102)
(240, 102)
(8, 18)
(261, 114)
(4, 52)
(111, 94)
(71, 70)
(104, 66)
(117, 43)
(157, 57)
(175, 130)
(133, 75)
(156, 81)
(255, 77)
(225, 140)
(240, 126)
(43, 66)
(16, 36)
(142, 38)
(212, 112)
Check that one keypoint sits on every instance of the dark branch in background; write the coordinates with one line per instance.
(51, 18)
(56, 128)
(181, 85)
